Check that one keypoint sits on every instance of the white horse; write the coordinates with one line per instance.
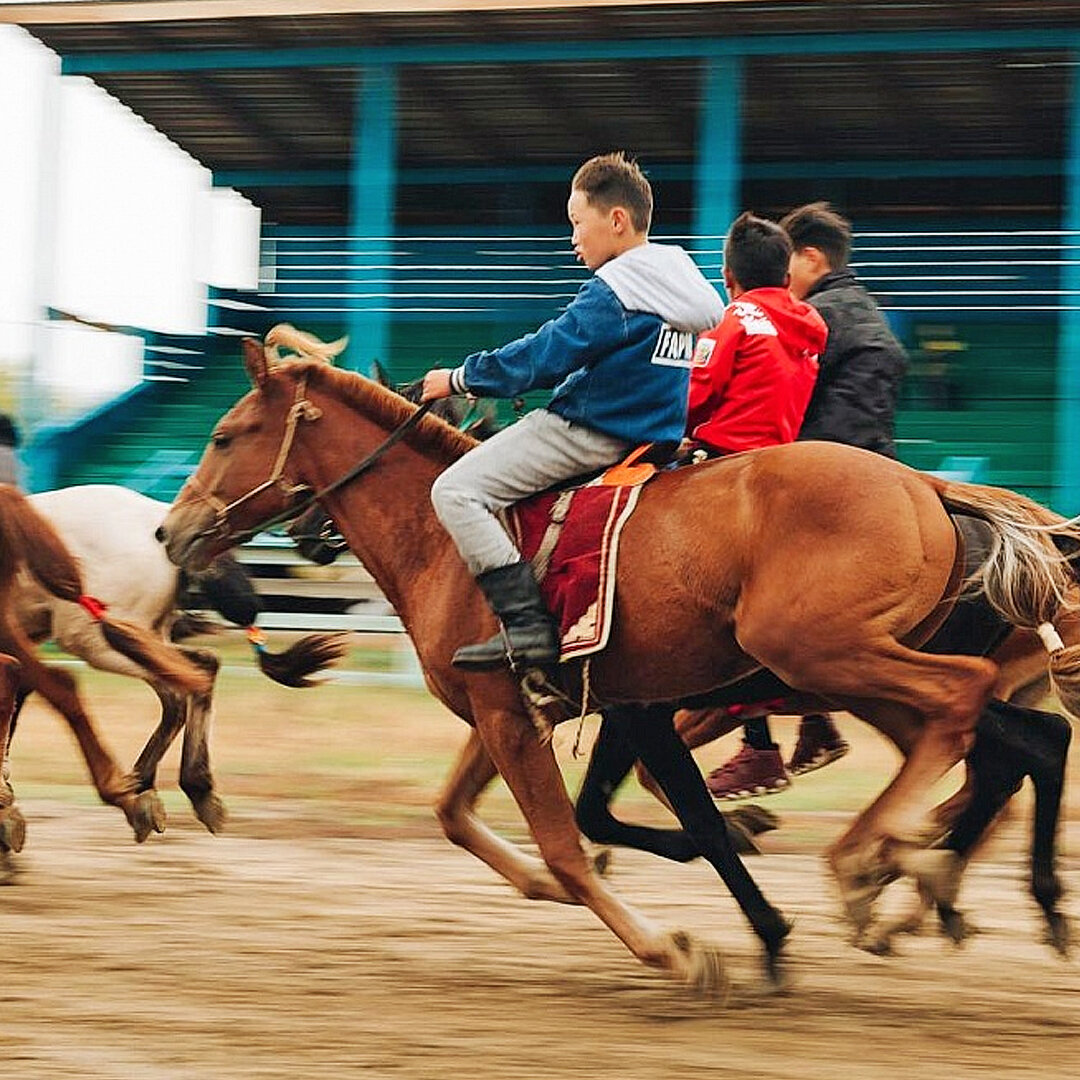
(110, 530)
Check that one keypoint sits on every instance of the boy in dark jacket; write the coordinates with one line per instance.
(854, 402)
(618, 359)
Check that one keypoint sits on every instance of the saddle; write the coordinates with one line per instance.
(571, 536)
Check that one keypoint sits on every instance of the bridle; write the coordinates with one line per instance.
(301, 409)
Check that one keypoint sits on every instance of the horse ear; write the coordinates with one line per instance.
(378, 373)
(255, 362)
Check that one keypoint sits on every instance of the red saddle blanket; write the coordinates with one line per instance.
(575, 561)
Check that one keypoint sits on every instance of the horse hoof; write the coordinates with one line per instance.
(1058, 933)
(210, 810)
(741, 838)
(12, 829)
(879, 944)
(147, 815)
(955, 927)
(754, 819)
(775, 970)
(936, 870)
(601, 861)
(859, 888)
(701, 967)
(9, 868)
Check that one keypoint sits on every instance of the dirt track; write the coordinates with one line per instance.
(287, 949)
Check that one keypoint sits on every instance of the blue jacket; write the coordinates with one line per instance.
(618, 357)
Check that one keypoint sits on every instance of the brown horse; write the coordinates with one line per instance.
(27, 539)
(768, 560)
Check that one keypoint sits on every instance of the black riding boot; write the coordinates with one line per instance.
(528, 627)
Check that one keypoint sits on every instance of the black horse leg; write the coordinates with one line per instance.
(1013, 742)
(611, 761)
(1048, 736)
(650, 733)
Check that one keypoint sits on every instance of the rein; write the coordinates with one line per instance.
(301, 409)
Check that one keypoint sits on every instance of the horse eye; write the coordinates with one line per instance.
(220, 441)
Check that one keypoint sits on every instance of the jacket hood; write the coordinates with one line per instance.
(664, 280)
(798, 324)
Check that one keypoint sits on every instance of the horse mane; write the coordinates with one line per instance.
(306, 346)
(385, 406)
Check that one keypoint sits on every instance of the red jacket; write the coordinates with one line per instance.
(752, 374)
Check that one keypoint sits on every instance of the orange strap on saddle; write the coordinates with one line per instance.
(631, 471)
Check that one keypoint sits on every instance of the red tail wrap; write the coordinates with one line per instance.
(94, 607)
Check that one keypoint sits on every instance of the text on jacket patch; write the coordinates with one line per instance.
(674, 348)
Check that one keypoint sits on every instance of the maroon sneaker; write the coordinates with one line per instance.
(750, 772)
(819, 744)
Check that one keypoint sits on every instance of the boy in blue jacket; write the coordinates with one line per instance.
(618, 359)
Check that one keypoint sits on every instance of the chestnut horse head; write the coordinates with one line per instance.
(771, 559)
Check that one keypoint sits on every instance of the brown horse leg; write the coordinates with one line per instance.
(149, 810)
(533, 776)
(58, 687)
(190, 713)
(882, 841)
(948, 693)
(196, 777)
(12, 823)
(472, 773)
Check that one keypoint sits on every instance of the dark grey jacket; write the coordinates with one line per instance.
(854, 399)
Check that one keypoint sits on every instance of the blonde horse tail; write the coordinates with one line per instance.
(1026, 578)
(28, 538)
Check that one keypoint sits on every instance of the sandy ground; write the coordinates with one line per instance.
(331, 932)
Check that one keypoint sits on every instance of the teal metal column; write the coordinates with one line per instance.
(1067, 456)
(718, 167)
(373, 178)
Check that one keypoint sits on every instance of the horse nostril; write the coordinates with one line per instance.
(159, 534)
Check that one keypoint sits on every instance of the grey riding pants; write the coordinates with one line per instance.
(541, 449)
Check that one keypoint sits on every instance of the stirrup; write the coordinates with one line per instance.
(499, 651)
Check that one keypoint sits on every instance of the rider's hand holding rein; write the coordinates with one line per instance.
(436, 385)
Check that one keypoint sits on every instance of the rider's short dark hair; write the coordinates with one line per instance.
(757, 252)
(819, 226)
(610, 180)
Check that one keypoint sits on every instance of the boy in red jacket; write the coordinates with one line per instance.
(753, 373)
(750, 385)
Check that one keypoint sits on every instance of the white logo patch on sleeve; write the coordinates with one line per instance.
(674, 348)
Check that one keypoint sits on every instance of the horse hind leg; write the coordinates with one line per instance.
(948, 693)
(59, 688)
(1041, 741)
(196, 775)
(1013, 742)
(148, 810)
(612, 758)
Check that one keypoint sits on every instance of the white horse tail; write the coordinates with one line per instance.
(1026, 578)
